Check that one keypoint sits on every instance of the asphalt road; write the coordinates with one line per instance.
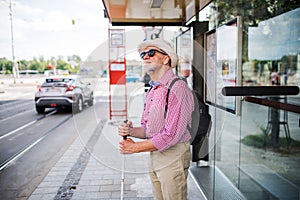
(31, 143)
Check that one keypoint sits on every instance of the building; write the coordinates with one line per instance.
(244, 58)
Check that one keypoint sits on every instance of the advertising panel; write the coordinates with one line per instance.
(222, 66)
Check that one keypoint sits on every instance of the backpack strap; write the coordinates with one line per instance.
(169, 89)
(148, 91)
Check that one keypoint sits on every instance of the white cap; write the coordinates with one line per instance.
(163, 45)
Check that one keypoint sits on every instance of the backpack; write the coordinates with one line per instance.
(201, 119)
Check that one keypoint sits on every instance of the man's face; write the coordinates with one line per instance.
(155, 62)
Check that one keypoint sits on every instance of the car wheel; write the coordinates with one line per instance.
(79, 105)
(91, 100)
(40, 109)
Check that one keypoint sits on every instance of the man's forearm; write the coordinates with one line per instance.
(144, 146)
(137, 132)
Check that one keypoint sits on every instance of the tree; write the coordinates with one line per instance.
(6, 65)
(61, 64)
(36, 64)
(72, 64)
(74, 58)
(23, 64)
(253, 11)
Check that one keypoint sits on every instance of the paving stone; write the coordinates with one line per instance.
(100, 182)
(80, 176)
(48, 190)
(79, 195)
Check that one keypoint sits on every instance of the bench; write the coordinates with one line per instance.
(271, 182)
(214, 184)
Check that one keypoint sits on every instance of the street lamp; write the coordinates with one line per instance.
(15, 68)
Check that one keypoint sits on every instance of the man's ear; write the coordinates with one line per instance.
(166, 60)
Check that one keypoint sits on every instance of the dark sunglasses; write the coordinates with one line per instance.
(151, 53)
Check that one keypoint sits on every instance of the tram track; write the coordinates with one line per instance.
(26, 125)
(27, 146)
(14, 108)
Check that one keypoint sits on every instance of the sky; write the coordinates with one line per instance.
(45, 28)
(276, 37)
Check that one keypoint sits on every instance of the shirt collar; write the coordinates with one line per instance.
(154, 84)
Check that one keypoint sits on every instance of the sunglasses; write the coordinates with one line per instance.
(151, 53)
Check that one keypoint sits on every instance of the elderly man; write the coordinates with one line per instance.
(166, 136)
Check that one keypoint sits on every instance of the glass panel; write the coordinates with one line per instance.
(258, 150)
(221, 45)
(270, 135)
(184, 49)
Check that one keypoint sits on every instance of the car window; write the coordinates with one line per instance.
(57, 81)
(52, 80)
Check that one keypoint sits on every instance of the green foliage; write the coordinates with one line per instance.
(6, 65)
(61, 64)
(253, 11)
(74, 58)
(259, 141)
(72, 64)
(254, 140)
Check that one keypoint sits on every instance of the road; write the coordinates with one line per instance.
(31, 143)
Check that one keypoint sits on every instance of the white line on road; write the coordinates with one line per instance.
(51, 113)
(13, 158)
(21, 113)
(14, 105)
(24, 126)
(16, 130)
(21, 152)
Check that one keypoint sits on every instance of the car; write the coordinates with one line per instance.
(132, 77)
(63, 92)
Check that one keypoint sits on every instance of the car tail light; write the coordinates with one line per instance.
(71, 88)
(39, 89)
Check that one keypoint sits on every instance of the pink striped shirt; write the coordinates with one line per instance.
(165, 133)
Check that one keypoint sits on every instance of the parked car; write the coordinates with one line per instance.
(63, 92)
(132, 77)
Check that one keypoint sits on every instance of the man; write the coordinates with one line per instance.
(166, 136)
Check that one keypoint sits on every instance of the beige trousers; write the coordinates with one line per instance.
(169, 171)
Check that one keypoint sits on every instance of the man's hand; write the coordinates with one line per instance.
(127, 146)
(124, 128)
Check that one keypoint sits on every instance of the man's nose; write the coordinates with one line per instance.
(146, 56)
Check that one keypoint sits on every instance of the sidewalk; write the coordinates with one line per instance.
(24, 88)
(91, 172)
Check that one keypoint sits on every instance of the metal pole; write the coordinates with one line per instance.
(15, 65)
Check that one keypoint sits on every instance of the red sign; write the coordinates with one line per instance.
(117, 73)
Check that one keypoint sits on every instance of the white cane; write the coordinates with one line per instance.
(123, 169)
(123, 160)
